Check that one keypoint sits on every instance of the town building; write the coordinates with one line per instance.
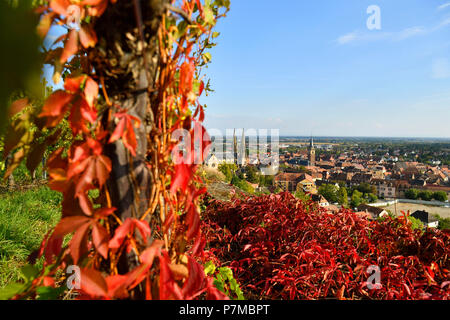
(386, 189)
(212, 162)
(427, 219)
(292, 182)
(374, 212)
(320, 200)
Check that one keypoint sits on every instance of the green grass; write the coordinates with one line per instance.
(444, 223)
(25, 217)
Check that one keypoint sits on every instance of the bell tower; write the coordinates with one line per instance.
(243, 150)
(312, 153)
(239, 150)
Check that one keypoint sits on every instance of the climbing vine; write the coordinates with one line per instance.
(149, 247)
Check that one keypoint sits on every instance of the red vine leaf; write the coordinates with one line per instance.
(78, 244)
(93, 283)
(168, 288)
(181, 177)
(65, 226)
(80, 113)
(193, 221)
(55, 106)
(117, 286)
(85, 204)
(70, 224)
(88, 38)
(91, 91)
(60, 6)
(127, 228)
(100, 237)
(93, 168)
(103, 167)
(187, 70)
(118, 132)
(125, 130)
(104, 212)
(149, 254)
(87, 178)
(70, 47)
(120, 234)
(35, 156)
(144, 229)
(73, 84)
(18, 106)
(195, 283)
(53, 248)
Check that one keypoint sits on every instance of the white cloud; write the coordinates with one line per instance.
(410, 32)
(444, 23)
(362, 37)
(440, 69)
(377, 36)
(443, 6)
(349, 37)
(369, 36)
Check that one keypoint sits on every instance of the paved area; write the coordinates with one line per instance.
(443, 212)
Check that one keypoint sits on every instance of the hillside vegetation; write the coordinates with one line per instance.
(25, 217)
(281, 248)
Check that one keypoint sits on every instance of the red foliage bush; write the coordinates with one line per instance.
(281, 248)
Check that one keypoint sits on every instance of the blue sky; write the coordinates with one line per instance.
(313, 67)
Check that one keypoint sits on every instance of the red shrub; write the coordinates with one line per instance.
(281, 248)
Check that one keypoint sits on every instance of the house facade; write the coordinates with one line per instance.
(427, 219)
(293, 182)
(372, 213)
(386, 190)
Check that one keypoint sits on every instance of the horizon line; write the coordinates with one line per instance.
(372, 137)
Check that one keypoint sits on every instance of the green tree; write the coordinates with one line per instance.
(330, 192)
(416, 223)
(301, 195)
(242, 184)
(357, 199)
(440, 196)
(372, 198)
(366, 188)
(226, 172)
(252, 174)
(228, 169)
(412, 194)
(342, 196)
(265, 180)
(426, 195)
(444, 223)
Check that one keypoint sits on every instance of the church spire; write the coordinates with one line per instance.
(243, 149)
(312, 153)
